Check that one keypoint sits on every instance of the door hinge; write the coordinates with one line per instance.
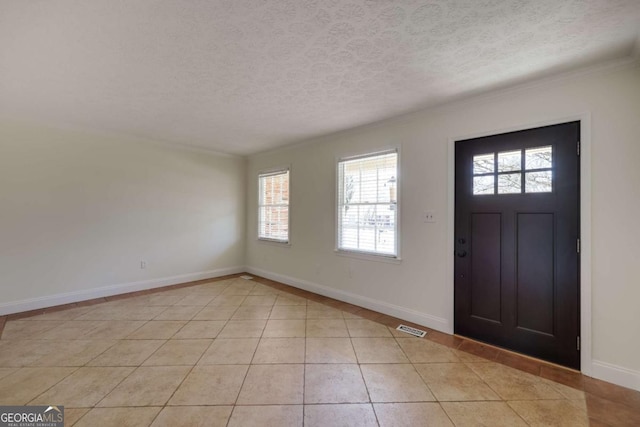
(578, 148)
(578, 344)
(578, 245)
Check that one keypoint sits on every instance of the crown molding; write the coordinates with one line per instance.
(66, 127)
(630, 61)
(627, 62)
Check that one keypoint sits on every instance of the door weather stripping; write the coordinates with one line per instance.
(578, 148)
(578, 344)
(412, 331)
(578, 245)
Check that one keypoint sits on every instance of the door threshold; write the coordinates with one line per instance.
(520, 355)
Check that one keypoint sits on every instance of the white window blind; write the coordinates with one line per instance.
(368, 204)
(273, 206)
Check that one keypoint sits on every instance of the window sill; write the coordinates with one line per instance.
(368, 257)
(274, 242)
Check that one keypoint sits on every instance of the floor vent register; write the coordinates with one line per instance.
(412, 331)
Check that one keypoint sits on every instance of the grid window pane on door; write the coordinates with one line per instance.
(367, 204)
(539, 170)
(273, 206)
(505, 169)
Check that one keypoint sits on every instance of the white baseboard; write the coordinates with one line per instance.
(107, 291)
(616, 374)
(403, 313)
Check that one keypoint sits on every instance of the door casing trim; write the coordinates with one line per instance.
(585, 222)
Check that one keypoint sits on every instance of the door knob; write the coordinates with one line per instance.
(462, 254)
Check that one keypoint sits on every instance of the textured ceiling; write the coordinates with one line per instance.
(242, 76)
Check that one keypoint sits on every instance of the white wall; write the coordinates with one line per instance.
(420, 288)
(80, 211)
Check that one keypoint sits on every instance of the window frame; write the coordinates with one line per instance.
(266, 173)
(361, 254)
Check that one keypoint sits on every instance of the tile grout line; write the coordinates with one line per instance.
(235, 404)
(192, 317)
(3, 321)
(304, 372)
(502, 399)
(366, 387)
(438, 401)
(304, 361)
(114, 298)
(414, 367)
(73, 372)
(49, 388)
(77, 368)
(379, 320)
(142, 363)
(195, 364)
(518, 413)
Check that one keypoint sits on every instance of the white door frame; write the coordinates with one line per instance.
(585, 222)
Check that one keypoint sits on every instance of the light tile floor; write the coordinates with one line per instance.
(240, 353)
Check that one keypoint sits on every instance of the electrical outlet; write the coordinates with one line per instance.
(429, 216)
(143, 264)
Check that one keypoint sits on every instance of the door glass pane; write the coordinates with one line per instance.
(538, 158)
(509, 183)
(538, 182)
(483, 163)
(483, 184)
(509, 161)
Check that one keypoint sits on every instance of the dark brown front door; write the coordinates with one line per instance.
(517, 247)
